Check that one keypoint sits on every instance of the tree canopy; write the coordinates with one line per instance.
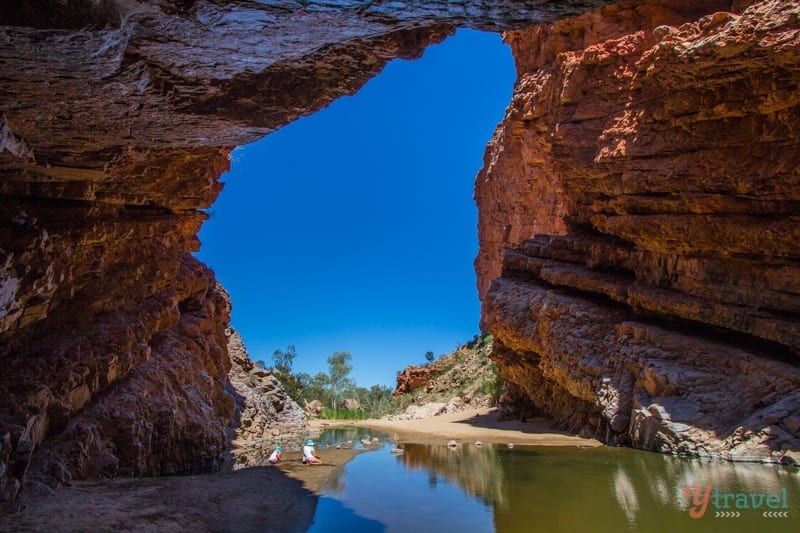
(331, 388)
(283, 360)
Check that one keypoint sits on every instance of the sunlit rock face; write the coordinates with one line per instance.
(265, 414)
(640, 226)
(116, 120)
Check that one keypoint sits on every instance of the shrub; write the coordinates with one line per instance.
(341, 414)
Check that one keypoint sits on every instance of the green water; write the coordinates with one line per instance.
(492, 488)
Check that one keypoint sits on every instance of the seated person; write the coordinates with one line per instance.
(310, 457)
(275, 457)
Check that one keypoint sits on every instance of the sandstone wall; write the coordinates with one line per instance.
(640, 217)
(116, 120)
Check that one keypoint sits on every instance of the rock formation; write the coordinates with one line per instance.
(116, 121)
(656, 144)
(264, 413)
(465, 378)
(413, 377)
(314, 408)
(351, 404)
(644, 186)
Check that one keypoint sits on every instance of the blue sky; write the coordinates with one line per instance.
(354, 228)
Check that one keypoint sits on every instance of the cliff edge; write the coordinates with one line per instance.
(639, 228)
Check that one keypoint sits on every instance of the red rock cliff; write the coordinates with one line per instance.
(646, 177)
(640, 226)
(116, 119)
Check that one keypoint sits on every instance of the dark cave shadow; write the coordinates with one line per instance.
(242, 501)
(536, 425)
(228, 459)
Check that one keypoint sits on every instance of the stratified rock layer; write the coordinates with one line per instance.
(646, 189)
(116, 121)
(655, 143)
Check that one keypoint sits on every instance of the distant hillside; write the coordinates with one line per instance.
(463, 379)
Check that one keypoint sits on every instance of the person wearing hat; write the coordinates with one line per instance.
(310, 457)
(275, 457)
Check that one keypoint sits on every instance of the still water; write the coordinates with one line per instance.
(492, 488)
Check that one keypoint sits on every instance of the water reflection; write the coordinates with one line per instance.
(476, 470)
(556, 489)
(626, 495)
(351, 437)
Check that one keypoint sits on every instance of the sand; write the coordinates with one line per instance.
(469, 426)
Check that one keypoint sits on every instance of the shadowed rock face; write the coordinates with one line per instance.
(663, 160)
(116, 120)
(646, 180)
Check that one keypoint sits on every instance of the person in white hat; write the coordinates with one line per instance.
(275, 457)
(310, 456)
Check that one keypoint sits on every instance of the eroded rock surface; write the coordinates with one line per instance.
(265, 414)
(116, 121)
(464, 379)
(646, 181)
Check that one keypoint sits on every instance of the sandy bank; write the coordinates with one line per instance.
(266, 498)
(470, 425)
(312, 477)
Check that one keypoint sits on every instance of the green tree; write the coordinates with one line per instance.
(283, 360)
(378, 400)
(339, 375)
(429, 356)
(316, 387)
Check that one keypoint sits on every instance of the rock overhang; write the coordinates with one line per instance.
(118, 118)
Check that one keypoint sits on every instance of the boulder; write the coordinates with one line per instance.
(314, 408)
(426, 411)
(351, 404)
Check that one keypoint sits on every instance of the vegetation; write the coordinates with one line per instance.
(339, 376)
(466, 371)
(494, 386)
(331, 388)
(283, 360)
(342, 414)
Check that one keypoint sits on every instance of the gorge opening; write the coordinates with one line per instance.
(355, 228)
(652, 146)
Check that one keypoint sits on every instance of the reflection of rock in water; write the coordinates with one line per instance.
(613, 489)
(626, 495)
(348, 437)
(475, 469)
(664, 479)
